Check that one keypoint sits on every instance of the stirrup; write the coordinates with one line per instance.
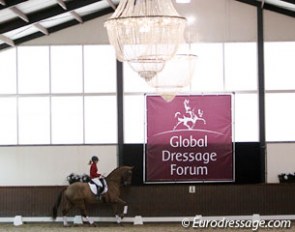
(98, 196)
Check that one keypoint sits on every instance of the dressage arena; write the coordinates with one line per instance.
(219, 150)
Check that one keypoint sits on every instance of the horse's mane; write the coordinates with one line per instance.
(118, 171)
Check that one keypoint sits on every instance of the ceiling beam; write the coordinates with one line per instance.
(279, 10)
(250, 2)
(112, 4)
(7, 40)
(289, 1)
(44, 14)
(60, 27)
(11, 3)
(62, 4)
(270, 7)
(77, 16)
(19, 13)
(41, 28)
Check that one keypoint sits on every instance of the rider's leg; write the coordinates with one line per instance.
(98, 184)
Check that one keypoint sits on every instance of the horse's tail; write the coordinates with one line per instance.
(57, 203)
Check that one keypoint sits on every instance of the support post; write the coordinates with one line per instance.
(261, 93)
(120, 111)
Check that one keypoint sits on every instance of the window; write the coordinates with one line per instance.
(33, 70)
(8, 120)
(100, 119)
(99, 69)
(134, 115)
(240, 66)
(279, 65)
(58, 95)
(66, 69)
(34, 120)
(280, 114)
(67, 120)
(246, 118)
(280, 86)
(208, 75)
(8, 74)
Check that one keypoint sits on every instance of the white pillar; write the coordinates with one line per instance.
(78, 219)
(138, 220)
(18, 220)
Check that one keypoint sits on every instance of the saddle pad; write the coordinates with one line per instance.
(93, 188)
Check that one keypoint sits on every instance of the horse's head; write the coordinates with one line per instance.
(126, 177)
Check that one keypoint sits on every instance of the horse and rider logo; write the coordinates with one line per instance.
(189, 118)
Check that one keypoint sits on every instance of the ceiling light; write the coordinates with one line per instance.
(183, 1)
(145, 33)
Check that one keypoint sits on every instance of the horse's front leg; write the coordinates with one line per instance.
(119, 214)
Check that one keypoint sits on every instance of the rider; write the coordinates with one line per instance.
(94, 175)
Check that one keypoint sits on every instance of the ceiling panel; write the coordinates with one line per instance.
(7, 15)
(21, 32)
(56, 20)
(89, 9)
(35, 5)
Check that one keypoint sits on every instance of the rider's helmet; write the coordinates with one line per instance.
(94, 158)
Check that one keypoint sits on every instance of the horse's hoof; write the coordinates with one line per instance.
(92, 225)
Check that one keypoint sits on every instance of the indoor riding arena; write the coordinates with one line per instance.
(147, 115)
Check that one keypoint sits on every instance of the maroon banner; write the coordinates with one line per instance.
(189, 139)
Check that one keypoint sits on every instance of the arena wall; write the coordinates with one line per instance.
(162, 200)
(32, 177)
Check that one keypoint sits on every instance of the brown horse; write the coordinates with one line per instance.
(78, 194)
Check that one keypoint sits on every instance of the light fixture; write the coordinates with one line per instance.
(176, 75)
(145, 33)
(183, 1)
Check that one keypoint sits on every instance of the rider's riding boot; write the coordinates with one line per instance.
(98, 196)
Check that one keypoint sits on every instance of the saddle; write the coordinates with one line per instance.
(94, 188)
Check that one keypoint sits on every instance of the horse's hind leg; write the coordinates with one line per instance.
(84, 214)
(68, 206)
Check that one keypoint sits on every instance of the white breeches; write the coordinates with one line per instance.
(97, 181)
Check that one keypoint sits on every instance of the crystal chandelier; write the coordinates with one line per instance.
(146, 34)
(176, 75)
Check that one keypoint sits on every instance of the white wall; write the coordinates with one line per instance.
(278, 27)
(280, 159)
(50, 165)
